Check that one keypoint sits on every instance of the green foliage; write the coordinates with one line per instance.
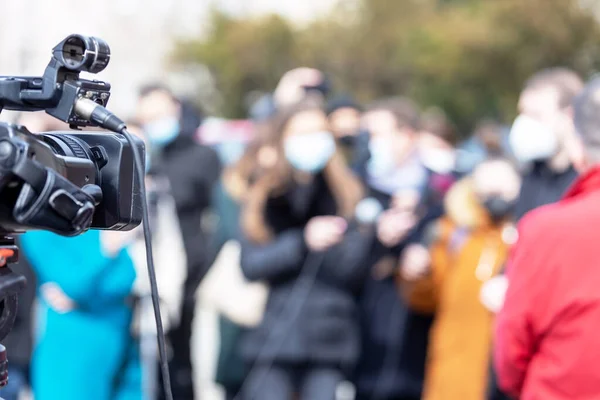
(468, 56)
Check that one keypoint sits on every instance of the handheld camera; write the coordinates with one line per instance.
(65, 182)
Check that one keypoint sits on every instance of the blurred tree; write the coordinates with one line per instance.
(243, 56)
(468, 56)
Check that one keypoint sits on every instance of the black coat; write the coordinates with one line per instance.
(193, 171)
(394, 345)
(542, 186)
(327, 327)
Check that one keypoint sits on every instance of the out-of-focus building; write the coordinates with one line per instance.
(140, 33)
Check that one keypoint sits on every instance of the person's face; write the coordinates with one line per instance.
(345, 122)
(543, 105)
(156, 106)
(429, 141)
(496, 178)
(305, 122)
(307, 144)
(382, 126)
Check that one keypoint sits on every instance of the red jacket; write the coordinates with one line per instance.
(548, 333)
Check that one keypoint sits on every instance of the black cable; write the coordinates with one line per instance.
(164, 366)
(301, 290)
(100, 116)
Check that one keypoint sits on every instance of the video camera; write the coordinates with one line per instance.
(58, 181)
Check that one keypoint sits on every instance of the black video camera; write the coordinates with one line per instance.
(63, 182)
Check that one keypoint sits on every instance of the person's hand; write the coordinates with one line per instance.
(393, 226)
(415, 262)
(493, 292)
(322, 233)
(112, 242)
(56, 298)
(290, 89)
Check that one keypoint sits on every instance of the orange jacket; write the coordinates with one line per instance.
(468, 251)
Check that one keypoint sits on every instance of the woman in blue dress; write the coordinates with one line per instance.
(83, 345)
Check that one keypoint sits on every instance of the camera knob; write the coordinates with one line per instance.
(7, 152)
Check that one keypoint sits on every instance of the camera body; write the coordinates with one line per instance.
(100, 163)
(102, 159)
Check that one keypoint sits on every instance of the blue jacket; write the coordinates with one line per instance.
(81, 353)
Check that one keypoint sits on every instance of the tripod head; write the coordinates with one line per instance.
(11, 285)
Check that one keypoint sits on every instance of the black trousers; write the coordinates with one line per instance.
(494, 392)
(282, 382)
(180, 364)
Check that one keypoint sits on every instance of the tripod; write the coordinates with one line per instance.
(10, 286)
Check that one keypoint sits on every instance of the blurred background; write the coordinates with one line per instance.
(467, 56)
(218, 65)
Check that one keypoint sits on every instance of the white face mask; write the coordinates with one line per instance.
(531, 140)
(440, 161)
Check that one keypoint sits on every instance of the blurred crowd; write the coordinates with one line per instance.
(352, 251)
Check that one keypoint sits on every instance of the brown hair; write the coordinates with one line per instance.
(566, 82)
(403, 109)
(436, 122)
(344, 186)
(489, 133)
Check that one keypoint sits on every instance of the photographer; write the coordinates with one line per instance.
(546, 335)
(296, 235)
(394, 337)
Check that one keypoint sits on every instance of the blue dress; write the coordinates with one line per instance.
(88, 352)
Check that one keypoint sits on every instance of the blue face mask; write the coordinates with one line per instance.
(382, 159)
(230, 151)
(163, 131)
(309, 153)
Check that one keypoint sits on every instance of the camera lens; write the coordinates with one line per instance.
(83, 53)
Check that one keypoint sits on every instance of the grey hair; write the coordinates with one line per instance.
(586, 118)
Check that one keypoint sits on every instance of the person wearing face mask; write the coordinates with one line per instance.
(467, 246)
(344, 115)
(543, 137)
(437, 139)
(543, 140)
(546, 336)
(489, 140)
(191, 171)
(297, 239)
(394, 337)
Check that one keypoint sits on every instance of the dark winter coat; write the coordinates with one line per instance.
(326, 329)
(542, 186)
(394, 344)
(192, 170)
